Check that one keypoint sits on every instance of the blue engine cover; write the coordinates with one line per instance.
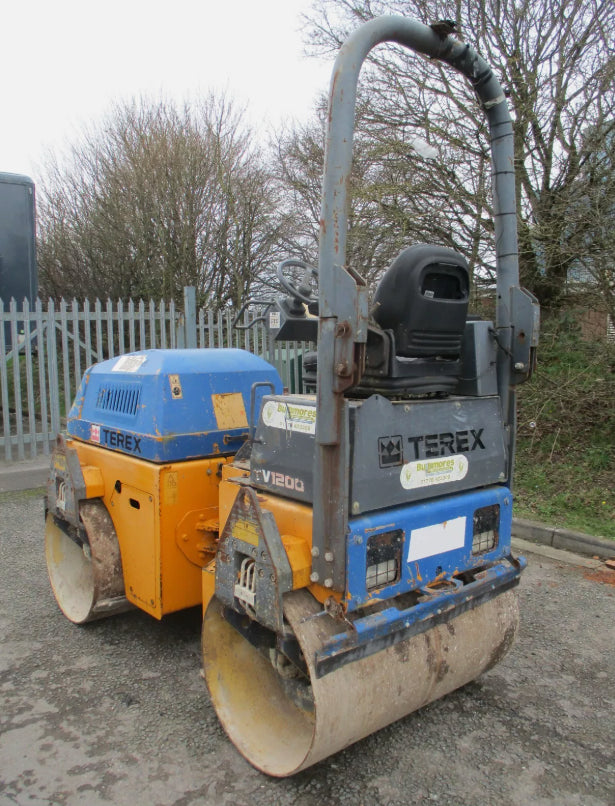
(170, 405)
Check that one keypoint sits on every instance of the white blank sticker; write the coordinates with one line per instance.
(129, 363)
(437, 538)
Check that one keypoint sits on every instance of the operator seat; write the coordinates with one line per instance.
(419, 315)
(422, 299)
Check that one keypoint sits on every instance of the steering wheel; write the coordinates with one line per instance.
(303, 289)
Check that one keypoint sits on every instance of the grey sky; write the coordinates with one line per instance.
(64, 62)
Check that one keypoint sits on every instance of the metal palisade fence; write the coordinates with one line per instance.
(46, 348)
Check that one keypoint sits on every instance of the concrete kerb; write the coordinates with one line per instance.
(565, 539)
(32, 474)
(27, 475)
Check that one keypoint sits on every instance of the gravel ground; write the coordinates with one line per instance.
(116, 712)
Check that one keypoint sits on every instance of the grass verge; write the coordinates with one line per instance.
(565, 468)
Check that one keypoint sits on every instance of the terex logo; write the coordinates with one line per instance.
(448, 442)
(115, 439)
(281, 480)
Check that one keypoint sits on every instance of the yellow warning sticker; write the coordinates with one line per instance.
(59, 462)
(246, 531)
(229, 410)
(176, 387)
(170, 487)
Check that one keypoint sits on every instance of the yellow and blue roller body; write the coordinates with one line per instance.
(148, 436)
(165, 519)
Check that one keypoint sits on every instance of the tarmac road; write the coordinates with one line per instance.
(116, 712)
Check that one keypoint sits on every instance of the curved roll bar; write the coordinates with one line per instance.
(338, 282)
(343, 302)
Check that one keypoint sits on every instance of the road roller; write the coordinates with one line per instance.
(349, 543)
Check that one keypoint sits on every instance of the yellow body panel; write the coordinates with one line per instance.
(94, 483)
(165, 518)
(133, 512)
(228, 491)
(294, 522)
(208, 583)
(300, 559)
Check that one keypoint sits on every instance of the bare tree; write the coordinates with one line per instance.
(555, 59)
(157, 198)
(300, 156)
(591, 236)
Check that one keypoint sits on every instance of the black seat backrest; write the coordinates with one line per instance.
(423, 298)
